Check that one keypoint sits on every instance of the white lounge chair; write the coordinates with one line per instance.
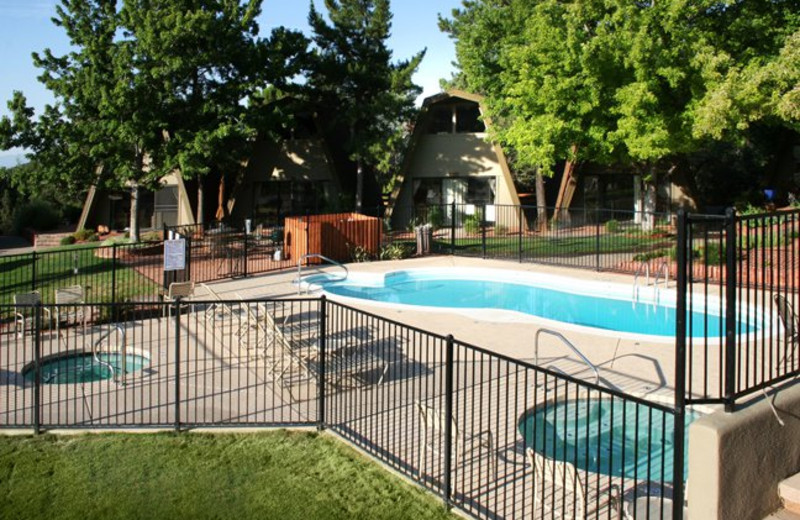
(433, 421)
(791, 327)
(182, 290)
(25, 309)
(69, 305)
(557, 487)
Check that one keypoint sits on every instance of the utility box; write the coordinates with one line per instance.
(335, 236)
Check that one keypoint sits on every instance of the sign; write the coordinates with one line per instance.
(175, 254)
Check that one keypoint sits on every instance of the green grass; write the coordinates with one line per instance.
(54, 269)
(278, 474)
(560, 246)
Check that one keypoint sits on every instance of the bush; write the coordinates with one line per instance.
(436, 217)
(472, 224)
(150, 236)
(93, 238)
(67, 240)
(360, 254)
(35, 214)
(83, 234)
(394, 252)
(500, 230)
(612, 226)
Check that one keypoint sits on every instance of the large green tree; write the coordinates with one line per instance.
(635, 83)
(353, 78)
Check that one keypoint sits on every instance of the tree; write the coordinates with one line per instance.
(352, 76)
(206, 58)
(623, 83)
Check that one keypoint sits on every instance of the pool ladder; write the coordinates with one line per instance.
(569, 345)
(96, 353)
(663, 267)
(299, 279)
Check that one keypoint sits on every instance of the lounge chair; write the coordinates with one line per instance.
(25, 309)
(259, 321)
(182, 290)
(557, 487)
(69, 305)
(218, 308)
(433, 422)
(791, 327)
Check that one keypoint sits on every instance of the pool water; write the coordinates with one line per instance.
(83, 368)
(573, 305)
(607, 436)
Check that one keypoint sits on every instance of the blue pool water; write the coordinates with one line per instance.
(598, 311)
(83, 368)
(619, 439)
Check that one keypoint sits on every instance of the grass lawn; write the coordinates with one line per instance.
(54, 269)
(558, 246)
(276, 474)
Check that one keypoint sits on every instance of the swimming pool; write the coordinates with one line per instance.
(599, 306)
(607, 436)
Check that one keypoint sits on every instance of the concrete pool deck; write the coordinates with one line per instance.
(638, 367)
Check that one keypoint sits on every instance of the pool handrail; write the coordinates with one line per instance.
(569, 344)
(95, 352)
(299, 279)
(646, 265)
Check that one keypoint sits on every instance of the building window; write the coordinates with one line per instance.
(468, 119)
(440, 119)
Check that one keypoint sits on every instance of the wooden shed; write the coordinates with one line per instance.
(334, 235)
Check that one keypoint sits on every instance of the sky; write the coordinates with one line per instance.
(25, 27)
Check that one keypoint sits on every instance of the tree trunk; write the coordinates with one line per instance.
(134, 222)
(359, 185)
(541, 202)
(200, 202)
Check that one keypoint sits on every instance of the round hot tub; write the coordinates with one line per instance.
(83, 367)
(606, 436)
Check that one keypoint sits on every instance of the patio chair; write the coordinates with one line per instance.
(24, 311)
(69, 305)
(557, 487)
(218, 309)
(433, 423)
(182, 290)
(260, 321)
(791, 327)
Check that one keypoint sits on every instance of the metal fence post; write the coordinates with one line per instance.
(33, 272)
(323, 327)
(521, 231)
(597, 243)
(680, 368)
(177, 310)
(483, 231)
(730, 309)
(448, 421)
(453, 228)
(244, 252)
(37, 348)
(114, 273)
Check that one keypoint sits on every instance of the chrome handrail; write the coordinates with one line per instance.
(95, 352)
(299, 279)
(569, 344)
(662, 267)
(646, 266)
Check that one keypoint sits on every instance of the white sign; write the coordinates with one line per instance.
(491, 213)
(175, 255)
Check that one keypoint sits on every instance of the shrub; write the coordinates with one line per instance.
(35, 214)
(472, 224)
(93, 238)
(394, 252)
(436, 217)
(500, 230)
(649, 255)
(67, 240)
(360, 254)
(83, 234)
(150, 236)
(612, 226)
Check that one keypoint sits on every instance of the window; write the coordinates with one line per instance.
(480, 190)
(468, 119)
(440, 119)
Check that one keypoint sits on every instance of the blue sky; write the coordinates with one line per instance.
(25, 27)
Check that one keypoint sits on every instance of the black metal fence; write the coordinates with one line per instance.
(113, 273)
(739, 277)
(497, 437)
(593, 238)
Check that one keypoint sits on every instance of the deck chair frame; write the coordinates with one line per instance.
(24, 305)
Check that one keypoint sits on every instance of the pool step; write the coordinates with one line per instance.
(789, 491)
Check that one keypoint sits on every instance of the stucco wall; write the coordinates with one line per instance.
(451, 155)
(737, 460)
